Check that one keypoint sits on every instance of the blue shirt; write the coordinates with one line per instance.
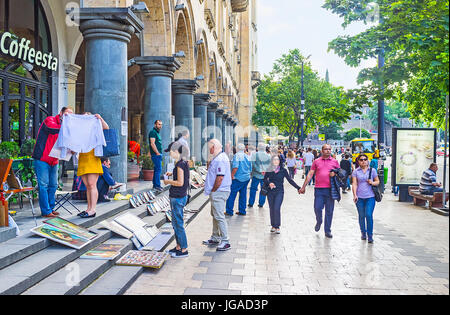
(242, 162)
(219, 166)
(260, 164)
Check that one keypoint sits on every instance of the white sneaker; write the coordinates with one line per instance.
(278, 231)
(223, 246)
(272, 230)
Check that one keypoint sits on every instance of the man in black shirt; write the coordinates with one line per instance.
(346, 164)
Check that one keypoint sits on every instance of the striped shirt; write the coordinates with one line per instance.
(427, 180)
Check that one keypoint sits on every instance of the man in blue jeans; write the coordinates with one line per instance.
(156, 153)
(260, 163)
(45, 166)
(240, 174)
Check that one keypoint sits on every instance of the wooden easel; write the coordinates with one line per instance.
(5, 169)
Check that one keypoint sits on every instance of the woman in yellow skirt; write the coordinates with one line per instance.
(89, 169)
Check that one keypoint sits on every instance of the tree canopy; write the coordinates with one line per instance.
(279, 98)
(355, 133)
(414, 37)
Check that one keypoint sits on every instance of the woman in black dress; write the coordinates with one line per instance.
(275, 180)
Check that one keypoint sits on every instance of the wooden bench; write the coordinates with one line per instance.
(434, 201)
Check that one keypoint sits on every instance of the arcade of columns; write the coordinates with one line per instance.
(197, 58)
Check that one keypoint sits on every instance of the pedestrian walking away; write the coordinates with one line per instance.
(218, 188)
(178, 196)
(275, 181)
(291, 163)
(260, 164)
(46, 167)
(321, 168)
(346, 164)
(156, 153)
(240, 175)
(363, 178)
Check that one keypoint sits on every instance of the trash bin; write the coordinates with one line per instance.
(386, 171)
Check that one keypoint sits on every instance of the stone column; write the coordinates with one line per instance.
(211, 131)
(219, 123)
(224, 129)
(234, 132)
(107, 32)
(183, 107)
(158, 73)
(136, 130)
(230, 130)
(200, 125)
(71, 72)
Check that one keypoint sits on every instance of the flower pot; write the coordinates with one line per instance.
(133, 171)
(148, 175)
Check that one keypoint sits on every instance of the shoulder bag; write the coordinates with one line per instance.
(376, 189)
(112, 147)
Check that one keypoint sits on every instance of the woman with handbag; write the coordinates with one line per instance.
(273, 185)
(365, 187)
(89, 169)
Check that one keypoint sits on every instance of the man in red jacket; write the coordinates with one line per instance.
(46, 167)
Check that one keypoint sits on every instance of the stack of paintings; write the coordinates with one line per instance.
(104, 252)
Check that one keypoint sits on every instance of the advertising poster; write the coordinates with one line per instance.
(414, 151)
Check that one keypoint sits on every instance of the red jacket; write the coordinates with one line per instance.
(46, 138)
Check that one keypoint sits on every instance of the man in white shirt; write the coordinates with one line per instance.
(308, 160)
(218, 188)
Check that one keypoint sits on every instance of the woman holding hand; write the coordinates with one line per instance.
(364, 178)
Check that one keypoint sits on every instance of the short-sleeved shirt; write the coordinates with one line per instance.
(309, 158)
(260, 164)
(427, 180)
(242, 162)
(154, 134)
(322, 167)
(364, 190)
(219, 166)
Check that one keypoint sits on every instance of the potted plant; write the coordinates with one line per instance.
(147, 168)
(133, 167)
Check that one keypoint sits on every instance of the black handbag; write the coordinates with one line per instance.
(112, 147)
(376, 189)
(265, 189)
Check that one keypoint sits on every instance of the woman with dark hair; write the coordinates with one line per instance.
(178, 196)
(364, 178)
(274, 178)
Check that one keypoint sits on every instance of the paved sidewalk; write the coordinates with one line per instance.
(409, 256)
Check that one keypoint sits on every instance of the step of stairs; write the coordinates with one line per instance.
(33, 265)
(7, 233)
(118, 279)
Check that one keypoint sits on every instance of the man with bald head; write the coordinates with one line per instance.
(322, 193)
(218, 188)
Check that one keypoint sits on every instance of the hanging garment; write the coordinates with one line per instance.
(80, 134)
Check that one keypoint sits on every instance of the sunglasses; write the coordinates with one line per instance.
(363, 159)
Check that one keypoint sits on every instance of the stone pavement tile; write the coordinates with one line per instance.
(321, 291)
(254, 293)
(437, 281)
(435, 289)
(255, 280)
(196, 291)
(218, 278)
(443, 275)
(280, 281)
(219, 270)
(242, 287)
(242, 272)
(379, 292)
(271, 288)
(215, 285)
(294, 289)
(347, 291)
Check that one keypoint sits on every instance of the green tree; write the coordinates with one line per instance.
(414, 35)
(355, 133)
(331, 131)
(279, 98)
(393, 112)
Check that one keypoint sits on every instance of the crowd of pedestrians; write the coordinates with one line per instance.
(265, 168)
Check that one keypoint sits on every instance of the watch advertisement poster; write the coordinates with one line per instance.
(413, 152)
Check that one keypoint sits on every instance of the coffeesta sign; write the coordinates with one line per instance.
(22, 51)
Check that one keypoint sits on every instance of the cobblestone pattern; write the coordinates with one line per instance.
(409, 256)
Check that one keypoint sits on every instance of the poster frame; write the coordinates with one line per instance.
(394, 153)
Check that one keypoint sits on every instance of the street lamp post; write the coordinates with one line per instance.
(302, 114)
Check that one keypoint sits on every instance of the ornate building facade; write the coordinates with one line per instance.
(190, 63)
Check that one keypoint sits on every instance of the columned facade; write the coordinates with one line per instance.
(219, 124)
(106, 83)
(183, 107)
(200, 126)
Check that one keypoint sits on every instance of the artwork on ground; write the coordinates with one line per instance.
(60, 236)
(71, 227)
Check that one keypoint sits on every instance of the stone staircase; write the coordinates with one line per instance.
(30, 264)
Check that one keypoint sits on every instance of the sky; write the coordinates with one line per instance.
(304, 24)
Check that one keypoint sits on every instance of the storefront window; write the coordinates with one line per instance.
(27, 85)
